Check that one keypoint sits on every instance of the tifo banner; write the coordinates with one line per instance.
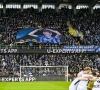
(74, 32)
(44, 35)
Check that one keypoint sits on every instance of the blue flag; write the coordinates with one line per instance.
(24, 32)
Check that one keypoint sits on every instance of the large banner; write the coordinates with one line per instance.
(82, 49)
(39, 35)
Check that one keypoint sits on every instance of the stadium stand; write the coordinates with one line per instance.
(10, 64)
(82, 28)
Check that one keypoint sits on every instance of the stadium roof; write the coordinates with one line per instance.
(56, 2)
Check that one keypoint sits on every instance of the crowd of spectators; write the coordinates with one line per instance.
(43, 71)
(83, 21)
(10, 64)
(89, 25)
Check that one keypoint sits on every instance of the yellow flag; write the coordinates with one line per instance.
(74, 32)
(0, 35)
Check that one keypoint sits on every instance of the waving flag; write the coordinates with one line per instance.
(0, 35)
(73, 31)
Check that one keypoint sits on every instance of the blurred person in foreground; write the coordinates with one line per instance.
(82, 85)
(74, 84)
(91, 85)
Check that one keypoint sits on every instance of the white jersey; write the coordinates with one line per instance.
(83, 84)
(74, 84)
(81, 72)
(96, 85)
